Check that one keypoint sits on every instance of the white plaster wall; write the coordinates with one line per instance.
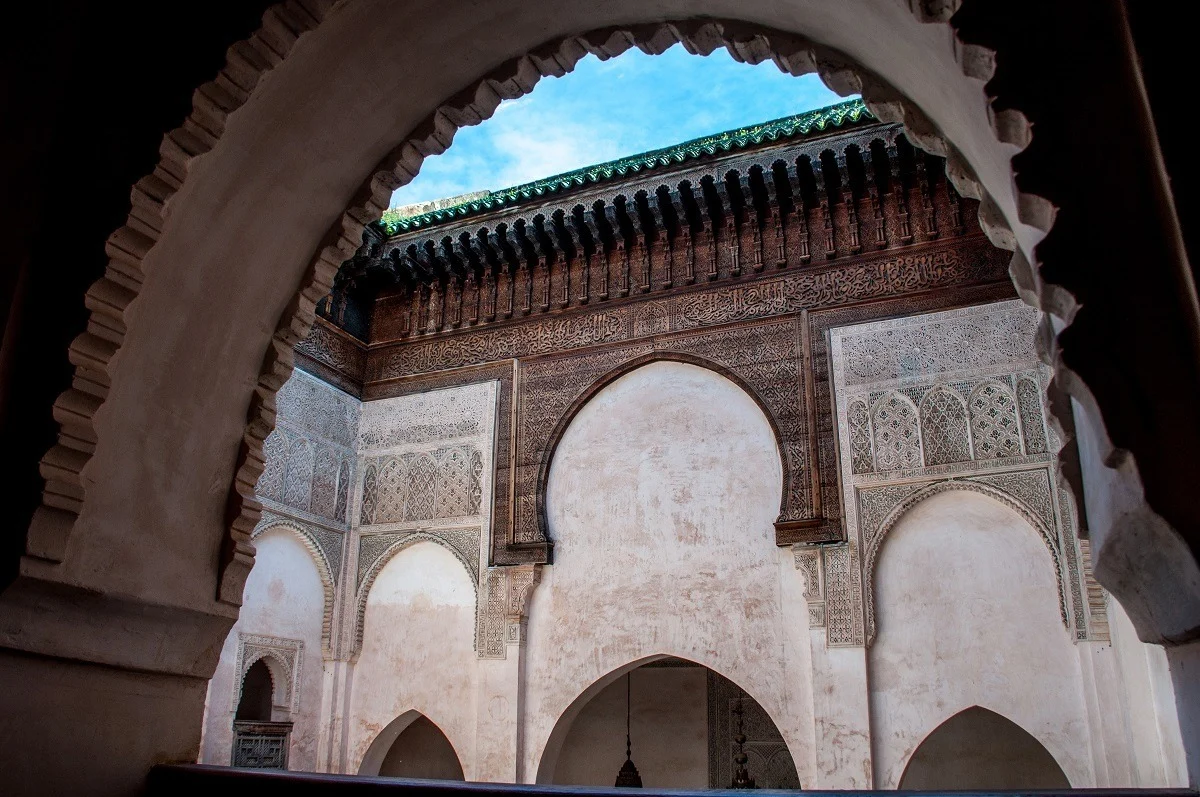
(660, 502)
(284, 598)
(1145, 699)
(967, 612)
(417, 652)
(668, 725)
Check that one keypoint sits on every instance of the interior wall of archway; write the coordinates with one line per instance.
(660, 500)
(281, 624)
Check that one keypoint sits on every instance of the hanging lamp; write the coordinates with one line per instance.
(628, 776)
(741, 776)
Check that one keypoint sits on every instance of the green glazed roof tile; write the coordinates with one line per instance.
(799, 125)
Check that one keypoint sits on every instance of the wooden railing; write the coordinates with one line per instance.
(171, 780)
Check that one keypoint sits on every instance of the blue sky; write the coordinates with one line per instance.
(608, 109)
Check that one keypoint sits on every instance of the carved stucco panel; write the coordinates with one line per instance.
(982, 357)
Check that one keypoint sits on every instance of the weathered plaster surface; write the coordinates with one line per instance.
(417, 652)
(284, 598)
(660, 502)
(953, 635)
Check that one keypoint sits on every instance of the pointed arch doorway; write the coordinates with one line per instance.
(980, 749)
(683, 719)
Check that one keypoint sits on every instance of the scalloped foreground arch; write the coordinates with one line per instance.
(112, 300)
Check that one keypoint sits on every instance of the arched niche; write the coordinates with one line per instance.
(412, 746)
(308, 537)
(661, 499)
(682, 724)
(417, 654)
(980, 749)
(256, 694)
(966, 601)
(657, 358)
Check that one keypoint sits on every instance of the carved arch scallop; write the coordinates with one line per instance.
(564, 421)
(875, 531)
(95, 352)
(376, 550)
(326, 555)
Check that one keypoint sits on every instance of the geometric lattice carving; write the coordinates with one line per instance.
(843, 627)
(897, 441)
(944, 427)
(423, 485)
(994, 422)
(343, 488)
(324, 481)
(984, 353)
(947, 342)
(297, 479)
(261, 745)
(861, 459)
(1030, 399)
(270, 484)
(370, 492)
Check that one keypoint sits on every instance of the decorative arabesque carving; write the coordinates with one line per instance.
(427, 476)
(810, 561)
(307, 467)
(1029, 398)
(932, 362)
(505, 609)
(897, 435)
(944, 427)
(862, 458)
(994, 428)
(423, 485)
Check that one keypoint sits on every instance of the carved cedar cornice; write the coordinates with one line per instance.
(334, 356)
(955, 263)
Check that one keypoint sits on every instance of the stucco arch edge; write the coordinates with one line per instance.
(363, 589)
(875, 544)
(324, 571)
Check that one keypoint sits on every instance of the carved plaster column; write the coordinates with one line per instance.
(500, 644)
(841, 710)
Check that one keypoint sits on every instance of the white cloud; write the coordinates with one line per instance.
(609, 109)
